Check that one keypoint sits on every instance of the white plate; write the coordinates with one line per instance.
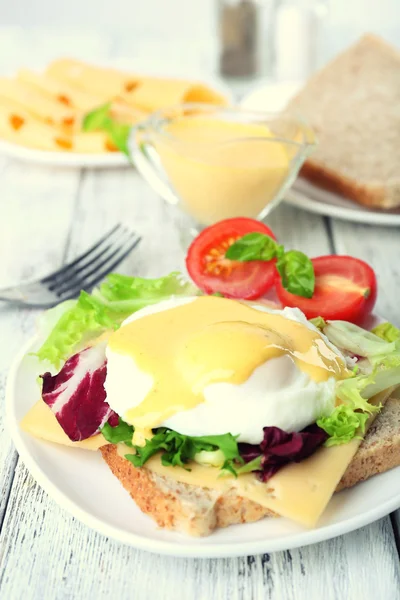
(63, 159)
(303, 194)
(106, 160)
(81, 483)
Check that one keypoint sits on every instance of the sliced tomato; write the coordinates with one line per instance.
(212, 272)
(345, 289)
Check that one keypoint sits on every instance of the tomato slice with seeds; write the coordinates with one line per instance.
(212, 272)
(345, 289)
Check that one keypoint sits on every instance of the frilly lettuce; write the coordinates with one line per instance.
(108, 305)
(342, 425)
(378, 370)
(387, 332)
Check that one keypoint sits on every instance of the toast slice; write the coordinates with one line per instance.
(197, 511)
(353, 106)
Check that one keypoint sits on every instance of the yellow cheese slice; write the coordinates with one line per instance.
(41, 422)
(106, 83)
(20, 127)
(61, 92)
(299, 491)
(38, 104)
(154, 93)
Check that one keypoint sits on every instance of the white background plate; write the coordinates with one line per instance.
(303, 194)
(81, 483)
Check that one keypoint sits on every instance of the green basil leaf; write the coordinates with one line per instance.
(100, 119)
(253, 246)
(119, 134)
(297, 273)
(97, 119)
(120, 433)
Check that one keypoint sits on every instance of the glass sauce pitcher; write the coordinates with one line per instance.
(215, 163)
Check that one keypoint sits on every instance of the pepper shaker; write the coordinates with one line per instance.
(238, 32)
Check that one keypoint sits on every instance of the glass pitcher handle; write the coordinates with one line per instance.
(146, 160)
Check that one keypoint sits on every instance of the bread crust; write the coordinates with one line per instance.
(182, 507)
(332, 181)
(380, 450)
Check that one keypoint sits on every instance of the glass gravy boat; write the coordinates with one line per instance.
(215, 163)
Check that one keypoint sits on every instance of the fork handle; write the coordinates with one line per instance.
(12, 295)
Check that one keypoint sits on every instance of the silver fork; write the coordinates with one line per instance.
(83, 273)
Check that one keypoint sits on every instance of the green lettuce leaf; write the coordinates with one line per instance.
(252, 465)
(350, 417)
(120, 433)
(179, 449)
(318, 322)
(356, 340)
(342, 425)
(87, 318)
(104, 309)
(387, 332)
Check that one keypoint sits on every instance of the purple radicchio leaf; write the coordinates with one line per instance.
(279, 448)
(76, 395)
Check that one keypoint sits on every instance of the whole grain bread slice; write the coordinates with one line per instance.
(198, 511)
(353, 105)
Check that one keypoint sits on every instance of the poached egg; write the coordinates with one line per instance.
(208, 366)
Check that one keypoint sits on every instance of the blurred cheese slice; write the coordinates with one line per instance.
(155, 93)
(38, 104)
(104, 82)
(19, 126)
(61, 92)
(41, 422)
(141, 92)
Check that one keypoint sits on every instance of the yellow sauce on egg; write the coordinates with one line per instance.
(212, 340)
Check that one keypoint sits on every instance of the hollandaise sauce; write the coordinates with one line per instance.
(209, 340)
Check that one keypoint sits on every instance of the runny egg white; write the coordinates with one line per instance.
(277, 393)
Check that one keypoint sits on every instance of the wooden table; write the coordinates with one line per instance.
(47, 217)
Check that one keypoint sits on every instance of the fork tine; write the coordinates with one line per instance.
(78, 279)
(88, 284)
(63, 270)
(78, 274)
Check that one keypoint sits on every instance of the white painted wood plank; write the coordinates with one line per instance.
(380, 247)
(297, 229)
(36, 207)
